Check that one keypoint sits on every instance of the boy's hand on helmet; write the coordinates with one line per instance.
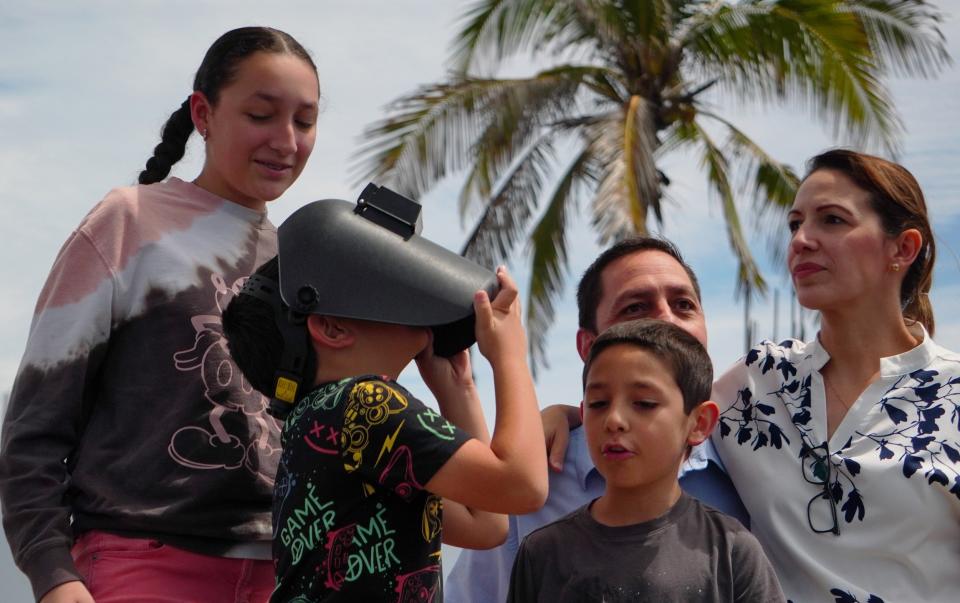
(443, 375)
(500, 333)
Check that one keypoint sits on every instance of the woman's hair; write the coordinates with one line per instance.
(896, 197)
(218, 69)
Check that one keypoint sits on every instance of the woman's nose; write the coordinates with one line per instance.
(284, 139)
(801, 239)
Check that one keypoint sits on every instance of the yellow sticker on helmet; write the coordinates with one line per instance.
(286, 389)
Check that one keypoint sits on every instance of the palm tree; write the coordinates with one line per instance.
(629, 90)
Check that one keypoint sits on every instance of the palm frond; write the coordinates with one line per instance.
(773, 185)
(640, 170)
(435, 130)
(521, 115)
(652, 21)
(495, 29)
(611, 207)
(905, 35)
(816, 52)
(427, 133)
(717, 168)
(634, 37)
(508, 211)
(624, 146)
(548, 262)
(676, 136)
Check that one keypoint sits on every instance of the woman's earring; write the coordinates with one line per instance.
(203, 134)
(895, 267)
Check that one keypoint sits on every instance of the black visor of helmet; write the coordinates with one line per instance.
(368, 261)
(293, 362)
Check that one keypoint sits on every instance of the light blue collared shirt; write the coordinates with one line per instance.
(484, 576)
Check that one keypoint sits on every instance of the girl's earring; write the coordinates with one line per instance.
(895, 267)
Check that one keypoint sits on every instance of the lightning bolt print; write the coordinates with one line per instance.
(388, 443)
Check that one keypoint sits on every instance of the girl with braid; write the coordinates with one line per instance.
(136, 462)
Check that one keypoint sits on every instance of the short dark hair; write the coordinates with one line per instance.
(680, 351)
(253, 338)
(590, 289)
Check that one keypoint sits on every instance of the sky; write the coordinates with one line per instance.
(85, 88)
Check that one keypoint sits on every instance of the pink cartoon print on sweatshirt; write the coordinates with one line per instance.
(212, 445)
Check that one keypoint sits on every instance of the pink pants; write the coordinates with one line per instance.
(117, 569)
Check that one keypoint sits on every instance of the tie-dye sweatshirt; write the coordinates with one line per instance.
(127, 413)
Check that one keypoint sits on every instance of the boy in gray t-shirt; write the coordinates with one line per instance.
(645, 404)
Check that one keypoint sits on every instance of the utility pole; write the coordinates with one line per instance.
(749, 325)
(776, 313)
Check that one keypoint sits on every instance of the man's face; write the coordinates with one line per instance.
(646, 284)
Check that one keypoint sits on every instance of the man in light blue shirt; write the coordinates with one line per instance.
(640, 277)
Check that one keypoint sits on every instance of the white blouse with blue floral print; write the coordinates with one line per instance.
(881, 521)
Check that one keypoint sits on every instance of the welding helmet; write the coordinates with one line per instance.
(367, 261)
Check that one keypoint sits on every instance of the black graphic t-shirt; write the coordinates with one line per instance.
(352, 521)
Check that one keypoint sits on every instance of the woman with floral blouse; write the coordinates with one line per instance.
(846, 449)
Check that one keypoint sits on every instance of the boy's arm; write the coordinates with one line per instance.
(451, 382)
(472, 529)
(483, 576)
(510, 474)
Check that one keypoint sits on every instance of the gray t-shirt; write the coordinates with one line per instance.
(691, 553)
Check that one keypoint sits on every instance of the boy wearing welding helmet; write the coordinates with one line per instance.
(371, 479)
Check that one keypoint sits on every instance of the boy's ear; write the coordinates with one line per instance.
(703, 419)
(330, 331)
(581, 412)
